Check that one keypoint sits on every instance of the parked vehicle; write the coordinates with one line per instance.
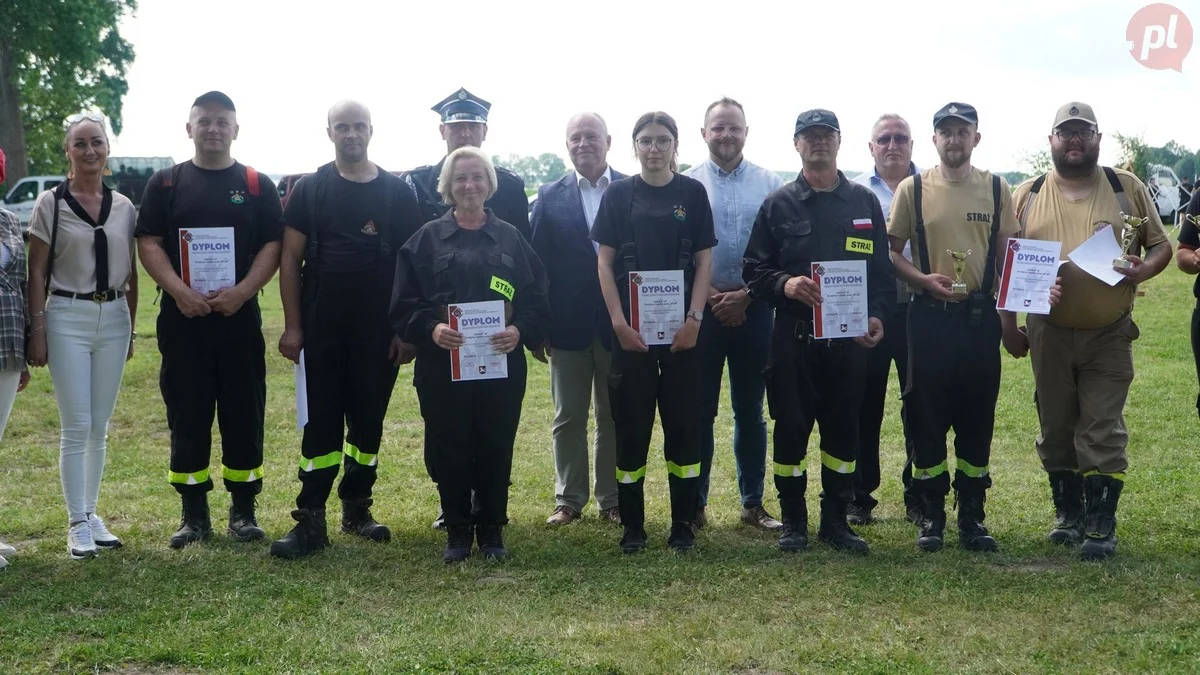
(1164, 184)
(21, 198)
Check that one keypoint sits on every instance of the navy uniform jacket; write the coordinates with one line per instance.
(509, 203)
(797, 226)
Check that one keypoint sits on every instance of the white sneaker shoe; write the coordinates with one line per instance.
(100, 534)
(5, 549)
(79, 541)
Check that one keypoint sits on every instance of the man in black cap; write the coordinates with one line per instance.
(209, 325)
(464, 122)
(821, 217)
(957, 219)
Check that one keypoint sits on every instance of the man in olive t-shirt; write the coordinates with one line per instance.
(1081, 352)
(954, 333)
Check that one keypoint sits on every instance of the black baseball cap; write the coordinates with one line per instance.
(963, 111)
(817, 117)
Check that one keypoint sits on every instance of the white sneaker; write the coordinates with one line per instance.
(79, 541)
(100, 534)
(5, 549)
(3, 562)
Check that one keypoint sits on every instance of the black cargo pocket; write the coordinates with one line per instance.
(796, 241)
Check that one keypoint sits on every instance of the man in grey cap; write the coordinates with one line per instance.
(821, 217)
(1081, 351)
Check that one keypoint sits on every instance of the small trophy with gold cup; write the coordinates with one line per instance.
(960, 265)
(1131, 229)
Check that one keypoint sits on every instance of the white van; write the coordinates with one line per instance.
(1164, 187)
(23, 195)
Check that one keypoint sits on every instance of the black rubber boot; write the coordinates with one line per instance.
(1100, 522)
(242, 524)
(308, 536)
(931, 526)
(1066, 490)
(972, 535)
(794, 537)
(633, 540)
(195, 525)
(835, 531)
(458, 544)
(356, 519)
(682, 537)
(491, 541)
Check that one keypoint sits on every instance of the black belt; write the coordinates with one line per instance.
(103, 296)
(802, 331)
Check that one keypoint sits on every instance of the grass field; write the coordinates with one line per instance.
(568, 601)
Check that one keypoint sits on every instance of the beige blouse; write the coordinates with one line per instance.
(75, 250)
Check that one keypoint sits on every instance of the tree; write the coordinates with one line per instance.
(1134, 155)
(534, 171)
(1186, 167)
(1036, 162)
(57, 58)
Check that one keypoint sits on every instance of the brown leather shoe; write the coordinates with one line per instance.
(757, 516)
(612, 515)
(562, 515)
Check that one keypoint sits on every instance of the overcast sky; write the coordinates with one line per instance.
(538, 61)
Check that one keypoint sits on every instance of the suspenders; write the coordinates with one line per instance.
(989, 270)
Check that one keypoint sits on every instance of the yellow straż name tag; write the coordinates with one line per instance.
(860, 245)
(506, 289)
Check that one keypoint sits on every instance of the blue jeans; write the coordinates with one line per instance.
(747, 348)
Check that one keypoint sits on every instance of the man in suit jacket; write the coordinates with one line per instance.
(580, 334)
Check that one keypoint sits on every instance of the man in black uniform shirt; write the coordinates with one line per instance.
(822, 216)
(209, 327)
(345, 223)
(464, 122)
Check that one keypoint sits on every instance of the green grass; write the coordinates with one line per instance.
(568, 601)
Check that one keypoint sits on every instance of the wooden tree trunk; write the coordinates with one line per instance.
(12, 132)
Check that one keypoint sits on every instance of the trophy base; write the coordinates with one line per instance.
(1122, 264)
(958, 288)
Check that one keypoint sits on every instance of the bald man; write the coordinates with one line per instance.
(343, 226)
(578, 345)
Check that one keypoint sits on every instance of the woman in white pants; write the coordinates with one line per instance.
(13, 373)
(81, 256)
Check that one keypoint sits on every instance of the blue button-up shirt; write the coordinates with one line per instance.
(880, 187)
(735, 197)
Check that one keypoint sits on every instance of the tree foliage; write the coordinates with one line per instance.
(58, 57)
(534, 171)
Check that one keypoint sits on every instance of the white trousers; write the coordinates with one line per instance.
(86, 345)
(9, 381)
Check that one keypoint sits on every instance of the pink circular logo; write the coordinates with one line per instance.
(1159, 37)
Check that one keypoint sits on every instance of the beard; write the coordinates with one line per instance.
(953, 159)
(1076, 168)
(726, 152)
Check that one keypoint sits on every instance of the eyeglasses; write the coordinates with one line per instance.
(662, 143)
(1065, 135)
(900, 139)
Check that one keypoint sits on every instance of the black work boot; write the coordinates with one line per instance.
(972, 535)
(491, 541)
(794, 537)
(196, 524)
(913, 508)
(242, 524)
(308, 536)
(458, 544)
(1100, 522)
(633, 540)
(931, 524)
(835, 531)
(1066, 490)
(356, 519)
(682, 537)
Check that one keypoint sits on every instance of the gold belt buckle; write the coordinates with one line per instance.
(100, 297)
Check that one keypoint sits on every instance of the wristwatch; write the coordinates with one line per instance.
(698, 315)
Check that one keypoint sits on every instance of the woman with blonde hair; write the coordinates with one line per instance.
(82, 301)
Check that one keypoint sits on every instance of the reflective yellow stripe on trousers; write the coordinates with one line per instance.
(241, 475)
(194, 478)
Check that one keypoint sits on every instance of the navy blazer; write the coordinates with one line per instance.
(562, 240)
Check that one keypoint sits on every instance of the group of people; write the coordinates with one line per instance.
(373, 268)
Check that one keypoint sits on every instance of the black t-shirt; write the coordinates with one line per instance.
(1189, 235)
(353, 220)
(660, 216)
(204, 198)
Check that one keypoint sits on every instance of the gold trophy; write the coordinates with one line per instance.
(960, 266)
(1130, 234)
(1192, 219)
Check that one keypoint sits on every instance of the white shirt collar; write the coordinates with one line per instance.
(604, 179)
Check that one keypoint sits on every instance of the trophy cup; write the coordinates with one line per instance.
(960, 265)
(1195, 221)
(1130, 231)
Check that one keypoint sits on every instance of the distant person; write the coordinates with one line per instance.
(345, 224)
(469, 255)
(1082, 351)
(579, 339)
(14, 372)
(81, 254)
(1187, 258)
(736, 327)
(657, 220)
(891, 146)
(210, 327)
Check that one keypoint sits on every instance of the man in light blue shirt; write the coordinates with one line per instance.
(891, 147)
(735, 327)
